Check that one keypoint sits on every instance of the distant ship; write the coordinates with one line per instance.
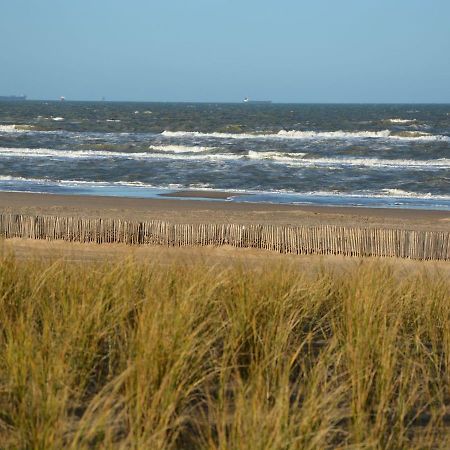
(257, 102)
(13, 98)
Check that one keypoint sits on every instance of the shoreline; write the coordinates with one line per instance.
(202, 195)
(176, 209)
(331, 200)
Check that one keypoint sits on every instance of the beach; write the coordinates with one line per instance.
(176, 210)
(183, 213)
(203, 207)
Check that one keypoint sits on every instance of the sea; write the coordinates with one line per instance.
(394, 156)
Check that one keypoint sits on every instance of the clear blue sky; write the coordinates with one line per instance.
(223, 50)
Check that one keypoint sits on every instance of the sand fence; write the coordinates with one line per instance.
(302, 240)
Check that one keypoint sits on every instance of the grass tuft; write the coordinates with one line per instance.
(141, 355)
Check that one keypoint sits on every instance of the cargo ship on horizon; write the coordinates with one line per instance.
(257, 102)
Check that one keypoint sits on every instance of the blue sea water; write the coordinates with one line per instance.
(364, 155)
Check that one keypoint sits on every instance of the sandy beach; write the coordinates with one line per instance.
(221, 257)
(176, 210)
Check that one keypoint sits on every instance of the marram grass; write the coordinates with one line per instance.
(145, 356)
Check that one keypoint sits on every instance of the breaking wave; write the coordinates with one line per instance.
(281, 135)
(15, 128)
(400, 121)
(180, 148)
(46, 181)
(293, 159)
(275, 156)
(103, 154)
(407, 194)
(311, 135)
(442, 163)
(383, 194)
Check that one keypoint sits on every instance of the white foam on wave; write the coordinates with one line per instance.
(291, 159)
(309, 135)
(13, 129)
(407, 194)
(97, 154)
(401, 121)
(384, 193)
(275, 156)
(46, 152)
(11, 178)
(281, 135)
(106, 184)
(46, 181)
(57, 119)
(293, 134)
(442, 163)
(180, 148)
(31, 129)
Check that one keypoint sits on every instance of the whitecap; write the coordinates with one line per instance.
(383, 194)
(431, 164)
(290, 159)
(401, 121)
(14, 128)
(309, 135)
(180, 148)
(275, 156)
(102, 154)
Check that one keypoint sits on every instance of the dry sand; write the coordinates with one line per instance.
(197, 211)
(225, 256)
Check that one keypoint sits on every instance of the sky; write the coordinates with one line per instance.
(332, 51)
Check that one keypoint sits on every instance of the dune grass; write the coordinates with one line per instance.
(141, 355)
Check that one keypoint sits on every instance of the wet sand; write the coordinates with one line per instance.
(176, 210)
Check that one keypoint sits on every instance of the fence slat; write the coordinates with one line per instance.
(326, 239)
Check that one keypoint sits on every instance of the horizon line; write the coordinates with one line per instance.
(58, 100)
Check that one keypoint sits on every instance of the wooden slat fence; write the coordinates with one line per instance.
(303, 240)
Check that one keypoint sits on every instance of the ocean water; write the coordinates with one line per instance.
(363, 155)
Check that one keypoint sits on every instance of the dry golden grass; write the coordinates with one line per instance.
(146, 356)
